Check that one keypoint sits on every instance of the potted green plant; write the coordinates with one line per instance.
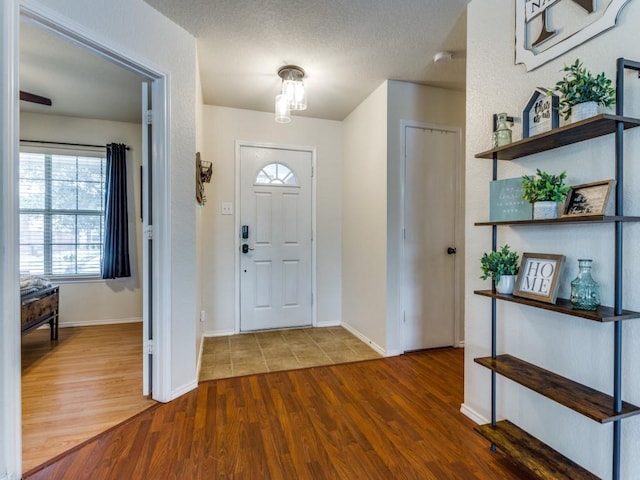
(545, 191)
(580, 92)
(501, 266)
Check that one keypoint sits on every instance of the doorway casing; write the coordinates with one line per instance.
(10, 376)
(459, 226)
(238, 240)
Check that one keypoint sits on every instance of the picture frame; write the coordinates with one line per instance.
(506, 203)
(540, 113)
(538, 276)
(588, 199)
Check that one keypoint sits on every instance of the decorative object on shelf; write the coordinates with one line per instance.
(585, 291)
(506, 202)
(203, 175)
(501, 132)
(572, 24)
(501, 266)
(579, 86)
(545, 191)
(538, 276)
(588, 199)
(541, 113)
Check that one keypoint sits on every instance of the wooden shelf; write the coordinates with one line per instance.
(585, 400)
(593, 127)
(541, 460)
(563, 220)
(563, 305)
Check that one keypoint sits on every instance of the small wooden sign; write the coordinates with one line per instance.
(538, 276)
(588, 199)
(541, 113)
(506, 203)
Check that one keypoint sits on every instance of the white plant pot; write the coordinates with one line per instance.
(583, 110)
(545, 210)
(506, 284)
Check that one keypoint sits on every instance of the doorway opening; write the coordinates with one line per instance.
(147, 277)
(432, 251)
(275, 246)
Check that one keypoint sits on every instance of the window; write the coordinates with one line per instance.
(276, 174)
(61, 214)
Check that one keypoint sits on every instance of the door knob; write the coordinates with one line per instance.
(451, 250)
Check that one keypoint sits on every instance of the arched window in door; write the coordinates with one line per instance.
(276, 174)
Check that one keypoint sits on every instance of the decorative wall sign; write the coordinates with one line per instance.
(540, 114)
(545, 29)
(506, 203)
(538, 276)
(588, 199)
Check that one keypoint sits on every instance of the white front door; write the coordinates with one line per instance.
(429, 264)
(275, 238)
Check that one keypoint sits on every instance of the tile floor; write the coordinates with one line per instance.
(272, 351)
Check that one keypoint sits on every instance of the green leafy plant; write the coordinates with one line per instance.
(498, 263)
(579, 86)
(544, 187)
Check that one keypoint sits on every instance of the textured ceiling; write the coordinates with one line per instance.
(347, 47)
(79, 83)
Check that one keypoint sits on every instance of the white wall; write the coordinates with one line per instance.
(569, 346)
(199, 212)
(364, 221)
(99, 301)
(419, 103)
(222, 128)
(134, 29)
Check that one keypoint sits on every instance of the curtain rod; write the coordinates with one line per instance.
(67, 144)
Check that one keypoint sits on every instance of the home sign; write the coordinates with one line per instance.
(545, 29)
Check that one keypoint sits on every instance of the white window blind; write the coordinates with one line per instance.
(61, 214)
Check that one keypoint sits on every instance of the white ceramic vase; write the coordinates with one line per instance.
(506, 284)
(545, 210)
(584, 110)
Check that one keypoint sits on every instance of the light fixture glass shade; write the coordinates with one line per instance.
(294, 90)
(283, 114)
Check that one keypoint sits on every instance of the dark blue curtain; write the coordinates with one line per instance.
(115, 260)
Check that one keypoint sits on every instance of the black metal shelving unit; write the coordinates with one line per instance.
(523, 448)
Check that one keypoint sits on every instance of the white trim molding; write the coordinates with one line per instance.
(10, 377)
(469, 412)
(369, 342)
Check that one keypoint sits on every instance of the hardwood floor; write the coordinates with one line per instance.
(393, 418)
(75, 388)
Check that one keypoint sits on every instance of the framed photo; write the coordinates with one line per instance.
(588, 199)
(538, 276)
(541, 113)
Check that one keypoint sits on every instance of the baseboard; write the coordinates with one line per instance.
(473, 415)
(460, 344)
(184, 389)
(91, 323)
(328, 324)
(219, 333)
(368, 341)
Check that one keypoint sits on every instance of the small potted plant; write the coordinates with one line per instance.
(581, 93)
(502, 267)
(545, 191)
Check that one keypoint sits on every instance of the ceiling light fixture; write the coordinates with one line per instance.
(293, 95)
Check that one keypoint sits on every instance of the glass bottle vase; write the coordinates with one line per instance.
(502, 135)
(585, 291)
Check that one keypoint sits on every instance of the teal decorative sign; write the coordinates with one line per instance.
(506, 203)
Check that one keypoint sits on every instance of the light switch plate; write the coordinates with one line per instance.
(227, 208)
